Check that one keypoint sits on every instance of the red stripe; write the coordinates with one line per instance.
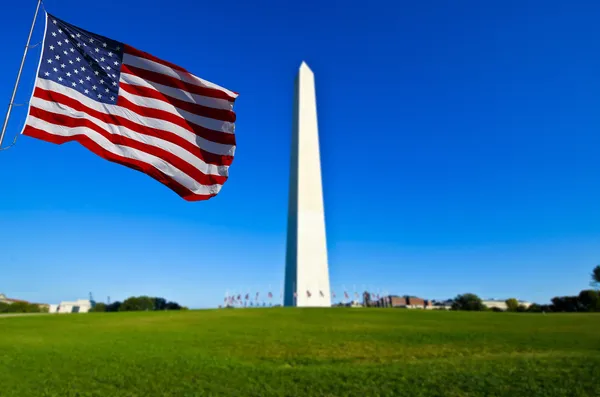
(135, 52)
(131, 163)
(199, 110)
(208, 157)
(211, 135)
(163, 79)
(179, 163)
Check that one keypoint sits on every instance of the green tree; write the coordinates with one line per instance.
(589, 300)
(596, 277)
(20, 307)
(137, 303)
(512, 304)
(114, 307)
(173, 306)
(160, 304)
(565, 304)
(98, 308)
(469, 302)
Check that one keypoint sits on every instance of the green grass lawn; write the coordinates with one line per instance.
(301, 352)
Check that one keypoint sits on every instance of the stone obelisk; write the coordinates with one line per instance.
(307, 270)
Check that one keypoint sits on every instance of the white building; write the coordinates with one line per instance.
(353, 303)
(501, 304)
(4, 299)
(78, 306)
(495, 303)
(442, 305)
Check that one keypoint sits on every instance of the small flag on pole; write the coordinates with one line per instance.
(308, 294)
(134, 109)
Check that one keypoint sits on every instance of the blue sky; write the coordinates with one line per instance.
(460, 153)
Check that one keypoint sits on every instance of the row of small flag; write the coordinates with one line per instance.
(239, 298)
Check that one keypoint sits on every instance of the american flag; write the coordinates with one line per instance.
(346, 295)
(270, 295)
(308, 294)
(134, 109)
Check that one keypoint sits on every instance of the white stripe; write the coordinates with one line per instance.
(152, 66)
(127, 152)
(206, 122)
(176, 150)
(210, 146)
(177, 93)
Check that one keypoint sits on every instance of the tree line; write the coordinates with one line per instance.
(138, 303)
(587, 301)
(22, 307)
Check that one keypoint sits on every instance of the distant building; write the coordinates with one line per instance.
(442, 305)
(353, 303)
(78, 306)
(501, 304)
(495, 303)
(406, 302)
(5, 299)
(396, 301)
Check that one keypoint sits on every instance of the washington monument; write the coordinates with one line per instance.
(306, 270)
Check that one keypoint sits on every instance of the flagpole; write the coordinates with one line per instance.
(12, 99)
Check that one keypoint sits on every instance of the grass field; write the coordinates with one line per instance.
(302, 352)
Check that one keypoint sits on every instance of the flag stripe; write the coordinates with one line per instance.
(191, 165)
(185, 116)
(185, 76)
(163, 79)
(205, 111)
(130, 163)
(55, 92)
(176, 121)
(153, 166)
(176, 93)
(134, 51)
(43, 98)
